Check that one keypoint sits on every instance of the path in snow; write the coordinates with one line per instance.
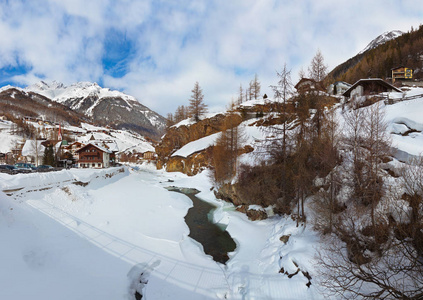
(197, 279)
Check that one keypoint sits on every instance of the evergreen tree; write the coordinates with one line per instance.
(48, 157)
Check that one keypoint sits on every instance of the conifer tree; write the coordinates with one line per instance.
(180, 114)
(241, 94)
(48, 157)
(317, 69)
(197, 107)
(255, 87)
(170, 120)
(225, 152)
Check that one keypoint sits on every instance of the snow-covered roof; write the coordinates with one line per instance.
(36, 147)
(377, 81)
(101, 148)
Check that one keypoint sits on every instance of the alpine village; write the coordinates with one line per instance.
(314, 190)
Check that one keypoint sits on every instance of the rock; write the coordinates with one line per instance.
(242, 208)
(177, 137)
(285, 238)
(192, 164)
(228, 193)
(252, 214)
(255, 215)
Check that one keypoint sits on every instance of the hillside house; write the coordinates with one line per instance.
(401, 73)
(149, 155)
(309, 85)
(338, 88)
(368, 87)
(3, 158)
(72, 148)
(95, 156)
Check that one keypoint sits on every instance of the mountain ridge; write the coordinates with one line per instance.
(102, 106)
(382, 39)
(388, 50)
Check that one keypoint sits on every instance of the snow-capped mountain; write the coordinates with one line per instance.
(382, 39)
(103, 106)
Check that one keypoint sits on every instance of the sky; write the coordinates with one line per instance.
(155, 50)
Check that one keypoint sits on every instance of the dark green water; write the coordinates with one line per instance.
(216, 240)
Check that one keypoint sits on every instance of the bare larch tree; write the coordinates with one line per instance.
(197, 107)
(317, 69)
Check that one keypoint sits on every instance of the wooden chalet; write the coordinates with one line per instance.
(95, 156)
(3, 158)
(149, 155)
(371, 86)
(309, 85)
(338, 88)
(401, 73)
(72, 148)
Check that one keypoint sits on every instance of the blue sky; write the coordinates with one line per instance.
(156, 50)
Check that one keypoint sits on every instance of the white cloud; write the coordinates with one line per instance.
(220, 44)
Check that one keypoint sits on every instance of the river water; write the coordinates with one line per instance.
(215, 239)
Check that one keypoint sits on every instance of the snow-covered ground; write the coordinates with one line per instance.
(7, 141)
(90, 234)
(69, 241)
(403, 117)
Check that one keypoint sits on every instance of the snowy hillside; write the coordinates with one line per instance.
(125, 141)
(382, 39)
(405, 124)
(103, 106)
(7, 140)
(403, 119)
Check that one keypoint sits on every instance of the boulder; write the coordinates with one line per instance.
(178, 136)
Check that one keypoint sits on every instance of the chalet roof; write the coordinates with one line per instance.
(401, 66)
(36, 147)
(368, 81)
(317, 85)
(102, 149)
(342, 82)
(302, 80)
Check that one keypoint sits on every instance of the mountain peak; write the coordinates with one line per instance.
(43, 86)
(103, 105)
(382, 39)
